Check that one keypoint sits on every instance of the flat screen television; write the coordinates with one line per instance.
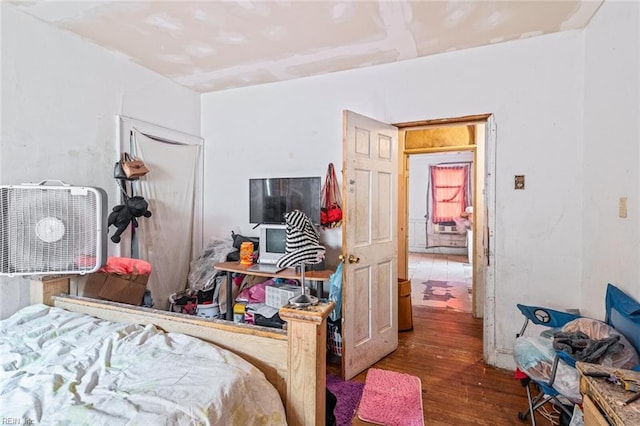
(271, 198)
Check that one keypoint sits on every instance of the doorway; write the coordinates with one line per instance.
(449, 137)
(378, 221)
(440, 210)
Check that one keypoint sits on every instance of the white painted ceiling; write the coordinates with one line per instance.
(217, 45)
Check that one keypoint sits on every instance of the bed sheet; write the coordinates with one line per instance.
(61, 367)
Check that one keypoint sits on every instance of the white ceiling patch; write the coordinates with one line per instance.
(457, 13)
(200, 14)
(213, 45)
(175, 59)
(245, 4)
(337, 11)
(227, 37)
(200, 50)
(162, 20)
(276, 33)
(494, 20)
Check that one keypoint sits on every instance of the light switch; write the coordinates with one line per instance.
(518, 182)
(622, 207)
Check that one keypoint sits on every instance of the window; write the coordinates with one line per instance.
(449, 192)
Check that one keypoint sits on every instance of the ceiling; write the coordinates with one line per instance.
(216, 45)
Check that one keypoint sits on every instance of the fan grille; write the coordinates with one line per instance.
(51, 230)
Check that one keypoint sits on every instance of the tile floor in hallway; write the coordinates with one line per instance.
(440, 281)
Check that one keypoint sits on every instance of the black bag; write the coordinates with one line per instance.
(205, 296)
(118, 172)
(239, 239)
(234, 256)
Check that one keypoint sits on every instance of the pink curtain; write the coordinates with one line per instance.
(448, 192)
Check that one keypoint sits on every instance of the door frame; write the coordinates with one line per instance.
(124, 125)
(476, 310)
(483, 202)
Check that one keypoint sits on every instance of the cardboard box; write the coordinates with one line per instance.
(119, 288)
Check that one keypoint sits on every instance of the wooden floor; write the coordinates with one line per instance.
(444, 350)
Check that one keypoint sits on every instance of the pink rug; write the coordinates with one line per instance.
(391, 399)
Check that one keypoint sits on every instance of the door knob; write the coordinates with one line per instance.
(351, 258)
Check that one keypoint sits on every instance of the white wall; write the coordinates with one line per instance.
(265, 131)
(611, 167)
(60, 97)
(534, 88)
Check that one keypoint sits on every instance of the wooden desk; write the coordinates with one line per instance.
(235, 267)
(603, 401)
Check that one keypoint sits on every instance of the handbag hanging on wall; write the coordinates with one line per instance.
(118, 173)
(331, 201)
(132, 167)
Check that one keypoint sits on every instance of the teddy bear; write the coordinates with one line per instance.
(126, 213)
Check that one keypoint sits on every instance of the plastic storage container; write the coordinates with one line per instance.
(278, 295)
(208, 310)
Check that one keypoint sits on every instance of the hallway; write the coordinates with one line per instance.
(440, 281)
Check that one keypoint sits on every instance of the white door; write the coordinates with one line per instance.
(369, 242)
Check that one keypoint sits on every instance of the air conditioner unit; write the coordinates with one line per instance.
(52, 228)
(445, 229)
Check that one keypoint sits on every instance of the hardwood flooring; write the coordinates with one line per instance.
(444, 350)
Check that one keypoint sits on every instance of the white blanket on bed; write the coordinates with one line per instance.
(60, 367)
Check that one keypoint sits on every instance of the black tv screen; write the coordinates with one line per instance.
(271, 198)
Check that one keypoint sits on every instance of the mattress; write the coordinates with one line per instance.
(61, 367)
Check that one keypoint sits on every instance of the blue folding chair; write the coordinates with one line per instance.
(546, 392)
(621, 312)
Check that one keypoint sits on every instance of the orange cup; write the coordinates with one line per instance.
(246, 253)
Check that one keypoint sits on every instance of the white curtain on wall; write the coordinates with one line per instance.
(165, 239)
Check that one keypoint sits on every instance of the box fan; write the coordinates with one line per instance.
(52, 228)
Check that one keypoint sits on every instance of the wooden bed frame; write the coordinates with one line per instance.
(294, 361)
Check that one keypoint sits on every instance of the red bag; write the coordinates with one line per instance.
(334, 214)
(330, 204)
(125, 266)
